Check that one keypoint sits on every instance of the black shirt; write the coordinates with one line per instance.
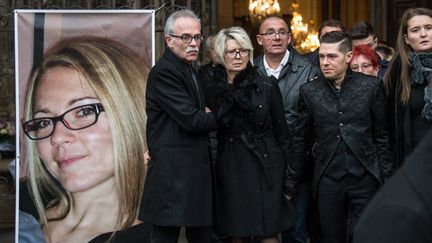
(139, 233)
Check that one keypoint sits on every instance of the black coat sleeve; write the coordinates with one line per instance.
(284, 137)
(171, 92)
(304, 133)
(395, 112)
(380, 131)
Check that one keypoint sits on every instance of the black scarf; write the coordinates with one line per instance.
(422, 71)
(231, 100)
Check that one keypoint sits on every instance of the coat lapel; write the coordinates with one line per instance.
(186, 70)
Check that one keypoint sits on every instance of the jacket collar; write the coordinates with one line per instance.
(281, 65)
(348, 76)
(170, 56)
(295, 62)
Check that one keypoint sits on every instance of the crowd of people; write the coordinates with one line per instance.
(273, 147)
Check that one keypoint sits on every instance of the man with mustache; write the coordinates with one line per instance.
(342, 113)
(291, 70)
(178, 187)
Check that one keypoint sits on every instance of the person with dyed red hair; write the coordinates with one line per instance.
(362, 33)
(364, 60)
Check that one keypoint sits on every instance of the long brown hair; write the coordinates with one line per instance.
(403, 49)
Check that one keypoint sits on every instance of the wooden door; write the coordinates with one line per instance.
(395, 10)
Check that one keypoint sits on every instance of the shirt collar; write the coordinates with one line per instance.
(276, 71)
(282, 64)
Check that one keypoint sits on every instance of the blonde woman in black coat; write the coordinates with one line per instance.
(252, 169)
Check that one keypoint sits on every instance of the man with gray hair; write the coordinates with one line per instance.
(178, 187)
(211, 54)
(209, 47)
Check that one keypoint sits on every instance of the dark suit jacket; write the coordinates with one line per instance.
(358, 117)
(178, 190)
(401, 211)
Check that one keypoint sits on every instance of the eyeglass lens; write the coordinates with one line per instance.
(362, 66)
(188, 38)
(240, 52)
(75, 119)
(274, 34)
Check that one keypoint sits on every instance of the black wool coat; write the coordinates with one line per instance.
(252, 166)
(358, 117)
(401, 126)
(401, 212)
(178, 186)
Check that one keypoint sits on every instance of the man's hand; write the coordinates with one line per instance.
(289, 193)
(289, 198)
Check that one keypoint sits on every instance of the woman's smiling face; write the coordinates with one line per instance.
(78, 159)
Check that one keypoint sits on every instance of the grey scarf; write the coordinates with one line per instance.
(422, 71)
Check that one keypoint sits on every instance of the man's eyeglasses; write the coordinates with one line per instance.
(363, 66)
(273, 34)
(188, 38)
(240, 52)
(76, 118)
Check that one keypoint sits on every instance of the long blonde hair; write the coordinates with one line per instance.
(402, 48)
(118, 77)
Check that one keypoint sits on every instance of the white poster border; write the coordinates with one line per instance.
(17, 78)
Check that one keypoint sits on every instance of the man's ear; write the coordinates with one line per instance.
(168, 40)
(348, 56)
(259, 39)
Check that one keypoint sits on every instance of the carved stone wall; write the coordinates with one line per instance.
(7, 70)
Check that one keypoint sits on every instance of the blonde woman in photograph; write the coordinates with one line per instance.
(85, 127)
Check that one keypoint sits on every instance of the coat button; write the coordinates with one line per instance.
(260, 106)
(340, 113)
(265, 155)
(338, 136)
(231, 140)
(341, 124)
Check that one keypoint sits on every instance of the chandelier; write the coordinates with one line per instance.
(304, 39)
(260, 9)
